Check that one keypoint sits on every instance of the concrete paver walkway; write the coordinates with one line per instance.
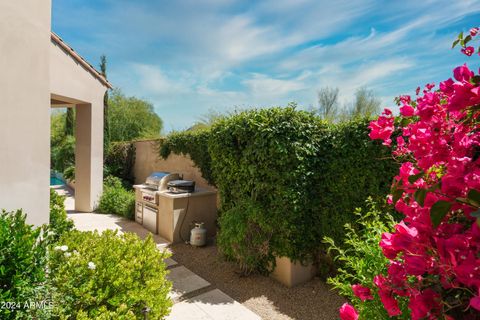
(194, 298)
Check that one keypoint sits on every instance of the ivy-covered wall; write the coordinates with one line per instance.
(286, 179)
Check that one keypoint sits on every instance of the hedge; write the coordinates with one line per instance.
(119, 161)
(288, 177)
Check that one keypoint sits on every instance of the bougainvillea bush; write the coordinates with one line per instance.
(434, 252)
(361, 259)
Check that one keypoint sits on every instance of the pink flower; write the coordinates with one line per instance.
(443, 142)
(407, 110)
(447, 86)
(417, 91)
(416, 265)
(468, 51)
(387, 247)
(462, 73)
(475, 303)
(422, 303)
(362, 292)
(396, 274)
(380, 281)
(383, 127)
(348, 312)
(389, 303)
(473, 31)
(406, 99)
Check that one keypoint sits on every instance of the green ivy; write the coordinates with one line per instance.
(303, 176)
(192, 143)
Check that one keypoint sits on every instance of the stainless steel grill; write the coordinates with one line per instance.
(158, 181)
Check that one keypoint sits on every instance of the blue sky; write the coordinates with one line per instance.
(188, 56)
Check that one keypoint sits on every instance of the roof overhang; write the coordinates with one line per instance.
(69, 50)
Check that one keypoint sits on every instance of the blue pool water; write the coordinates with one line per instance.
(56, 181)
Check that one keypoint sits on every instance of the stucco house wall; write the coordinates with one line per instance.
(39, 71)
(25, 107)
(72, 82)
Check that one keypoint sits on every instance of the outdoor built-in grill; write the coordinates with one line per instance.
(157, 181)
(168, 205)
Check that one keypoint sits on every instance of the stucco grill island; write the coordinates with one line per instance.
(169, 206)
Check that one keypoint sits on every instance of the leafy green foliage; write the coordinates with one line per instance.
(126, 119)
(69, 173)
(106, 120)
(59, 222)
(63, 153)
(70, 122)
(268, 157)
(245, 237)
(361, 259)
(116, 199)
(108, 276)
(351, 168)
(119, 161)
(22, 266)
(131, 118)
(299, 173)
(439, 210)
(194, 144)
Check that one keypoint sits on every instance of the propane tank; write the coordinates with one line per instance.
(198, 235)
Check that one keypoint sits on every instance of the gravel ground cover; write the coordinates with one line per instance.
(269, 299)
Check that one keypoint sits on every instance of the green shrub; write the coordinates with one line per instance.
(69, 173)
(22, 266)
(194, 144)
(119, 161)
(108, 276)
(361, 259)
(304, 176)
(59, 222)
(63, 153)
(351, 167)
(245, 238)
(268, 157)
(116, 199)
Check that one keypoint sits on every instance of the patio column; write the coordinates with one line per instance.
(88, 156)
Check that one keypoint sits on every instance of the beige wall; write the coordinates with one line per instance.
(147, 160)
(25, 107)
(71, 82)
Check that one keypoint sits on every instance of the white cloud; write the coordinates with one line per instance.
(188, 56)
(260, 84)
(153, 80)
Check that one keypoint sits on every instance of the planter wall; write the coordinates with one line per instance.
(292, 274)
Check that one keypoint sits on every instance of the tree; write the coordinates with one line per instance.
(69, 122)
(205, 121)
(106, 124)
(366, 103)
(131, 118)
(328, 103)
(62, 141)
